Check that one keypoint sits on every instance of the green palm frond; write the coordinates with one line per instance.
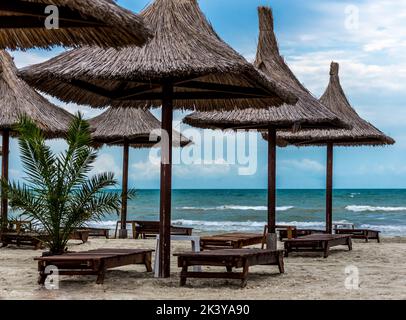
(59, 194)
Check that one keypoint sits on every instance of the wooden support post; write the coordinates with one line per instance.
(123, 233)
(4, 176)
(166, 182)
(271, 237)
(329, 189)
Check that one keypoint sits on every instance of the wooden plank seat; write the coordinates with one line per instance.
(317, 243)
(229, 259)
(149, 229)
(235, 240)
(36, 240)
(30, 239)
(82, 235)
(365, 234)
(283, 233)
(93, 262)
(97, 232)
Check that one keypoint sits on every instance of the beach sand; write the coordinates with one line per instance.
(382, 275)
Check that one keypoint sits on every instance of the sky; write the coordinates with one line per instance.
(367, 38)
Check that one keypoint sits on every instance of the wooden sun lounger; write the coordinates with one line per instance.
(82, 235)
(149, 229)
(365, 234)
(230, 241)
(296, 233)
(22, 239)
(97, 232)
(93, 262)
(317, 243)
(33, 239)
(229, 259)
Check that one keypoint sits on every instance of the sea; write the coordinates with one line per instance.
(217, 211)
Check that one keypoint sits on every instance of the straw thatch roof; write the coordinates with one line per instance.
(135, 125)
(306, 113)
(206, 73)
(81, 22)
(362, 133)
(17, 98)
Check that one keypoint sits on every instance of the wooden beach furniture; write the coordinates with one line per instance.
(149, 229)
(229, 259)
(82, 235)
(296, 233)
(33, 239)
(365, 234)
(93, 262)
(29, 239)
(317, 243)
(235, 240)
(97, 232)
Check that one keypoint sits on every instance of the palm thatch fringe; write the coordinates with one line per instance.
(185, 51)
(81, 22)
(362, 132)
(134, 125)
(308, 112)
(18, 98)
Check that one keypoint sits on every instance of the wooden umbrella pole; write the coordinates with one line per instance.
(123, 233)
(166, 182)
(329, 189)
(271, 237)
(4, 176)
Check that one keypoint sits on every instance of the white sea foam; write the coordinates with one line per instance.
(235, 207)
(257, 226)
(355, 208)
(352, 195)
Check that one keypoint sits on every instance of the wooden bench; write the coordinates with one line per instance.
(296, 233)
(317, 243)
(82, 235)
(229, 259)
(36, 240)
(93, 262)
(149, 229)
(230, 241)
(365, 234)
(97, 232)
(22, 239)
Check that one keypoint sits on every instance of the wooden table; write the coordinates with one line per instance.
(365, 234)
(228, 258)
(317, 243)
(230, 241)
(93, 262)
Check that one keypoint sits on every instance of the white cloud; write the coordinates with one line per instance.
(106, 163)
(302, 165)
(150, 169)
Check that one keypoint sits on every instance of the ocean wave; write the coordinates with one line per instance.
(352, 195)
(255, 226)
(236, 207)
(374, 209)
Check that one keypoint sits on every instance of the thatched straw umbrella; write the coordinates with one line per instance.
(362, 134)
(81, 22)
(18, 98)
(185, 66)
(128, 127)
(307, 113)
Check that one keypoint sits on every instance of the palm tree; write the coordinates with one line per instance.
(58, 194)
